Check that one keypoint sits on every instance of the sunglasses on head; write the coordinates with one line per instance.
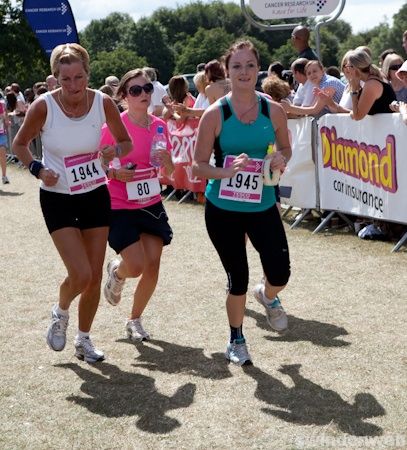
(395, 67)
(136, 90)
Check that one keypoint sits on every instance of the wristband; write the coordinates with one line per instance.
(354, 92)
(118, 151)
(35, 167)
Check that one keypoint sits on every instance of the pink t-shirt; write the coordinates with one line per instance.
(140, 155)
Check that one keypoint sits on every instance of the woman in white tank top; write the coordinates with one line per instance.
(73, 193)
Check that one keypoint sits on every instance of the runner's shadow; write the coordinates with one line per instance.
(173, 358)
(319, 333)
(310, 404)
(10, 194)
(115, 393)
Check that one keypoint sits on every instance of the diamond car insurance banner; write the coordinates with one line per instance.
(52, 22)
(362, 165)
(297, 183)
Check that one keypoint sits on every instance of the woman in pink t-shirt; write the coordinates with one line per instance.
(139, 226)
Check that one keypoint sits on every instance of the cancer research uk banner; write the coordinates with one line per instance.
(284, 9)
(362, 166)
(52, 22)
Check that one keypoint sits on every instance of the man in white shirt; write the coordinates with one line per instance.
(156, 106)
(304, 95)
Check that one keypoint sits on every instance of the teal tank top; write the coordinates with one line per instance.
(235, 138)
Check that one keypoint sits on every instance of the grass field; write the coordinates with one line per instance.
(337, 379)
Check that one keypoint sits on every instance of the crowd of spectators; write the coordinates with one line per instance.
(357, 86)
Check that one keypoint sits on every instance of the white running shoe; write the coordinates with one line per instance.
(238, 354)
(5, 180)
(86, 351)
(135, 331)
(113, 287)
(56, 334)
(275, 314)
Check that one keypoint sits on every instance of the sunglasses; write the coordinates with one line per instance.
(395, 67)
(136, 90)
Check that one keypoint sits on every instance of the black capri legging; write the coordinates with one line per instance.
(227, 230)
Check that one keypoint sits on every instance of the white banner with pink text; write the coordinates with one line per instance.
(362, 166)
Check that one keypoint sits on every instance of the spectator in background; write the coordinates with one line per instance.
(29, 95)
(113, 82)
(365, 48)
(16, 89)
(276, 68)
(277, 88)
(382, 55)
(391, 64)
(41, 90)
(333, 71)
(106, 89)
(219, 85)
(401, 107)
(376, 94)
(179, 93)
(200, 67)
(300, 41)
(323, 83)
(37, 85)
(201, 102)
(304, 95)
(4, 123)
(159, 94)
(52, 82)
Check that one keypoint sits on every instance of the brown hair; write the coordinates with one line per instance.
(214, 71)
(276, 87)
(68, 54)
(178, 87)
(121, 92)
(240, 45)
(314, 61)
(389, 60)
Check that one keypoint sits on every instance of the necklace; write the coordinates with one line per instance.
(73, 113)
(144, 123)
(250, 122)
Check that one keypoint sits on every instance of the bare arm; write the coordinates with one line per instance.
(116, 127)
(371, 91)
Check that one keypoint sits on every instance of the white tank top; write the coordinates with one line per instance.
(62, 136)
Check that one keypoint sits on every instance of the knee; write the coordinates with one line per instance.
(238, 283)
(80, 279)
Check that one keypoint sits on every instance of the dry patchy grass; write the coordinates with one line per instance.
(339, 373)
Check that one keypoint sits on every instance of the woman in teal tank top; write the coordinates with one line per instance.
(239, 129)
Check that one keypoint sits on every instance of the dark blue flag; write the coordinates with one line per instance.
(52, 22)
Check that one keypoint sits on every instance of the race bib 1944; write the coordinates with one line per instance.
(84, 172)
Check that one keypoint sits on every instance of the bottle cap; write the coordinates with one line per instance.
(160, 129)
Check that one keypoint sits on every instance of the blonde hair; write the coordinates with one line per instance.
(276, 88)
(68, 54)
(363, 62)
(389, 61)
(200, 80)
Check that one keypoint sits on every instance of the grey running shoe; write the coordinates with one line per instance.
(56, 335)
(135, 331)
(86, 351)
(275, 314)
(113, 287)
(238, 354)
(5, 180)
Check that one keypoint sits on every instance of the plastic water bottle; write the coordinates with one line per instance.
(159, 143)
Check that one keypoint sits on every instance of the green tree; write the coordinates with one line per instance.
(203, 46)
(117, 62)
(106, 34)
(148, 39)
(21, 58)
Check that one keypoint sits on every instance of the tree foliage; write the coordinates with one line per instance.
(174, 40)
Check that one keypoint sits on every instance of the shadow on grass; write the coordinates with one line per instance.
(10, 194)
(310, 404)
(319, 333)
(115, 393)
(173, 358)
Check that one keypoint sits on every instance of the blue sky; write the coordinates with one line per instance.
(361, 14)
